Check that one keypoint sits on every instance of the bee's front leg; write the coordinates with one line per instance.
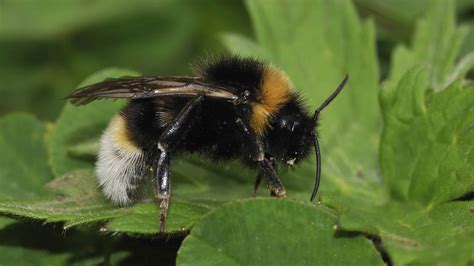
(260, 176)
(258, 180)
(274, 182)
(265, 165)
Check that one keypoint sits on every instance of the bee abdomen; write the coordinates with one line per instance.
(121, 164)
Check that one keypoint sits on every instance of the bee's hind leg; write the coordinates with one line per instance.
(163, 178)
(173, 133)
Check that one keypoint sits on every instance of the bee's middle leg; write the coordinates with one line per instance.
(173, 133)
(274, 182)
(163, 174)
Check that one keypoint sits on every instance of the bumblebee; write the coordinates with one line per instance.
(234, 108)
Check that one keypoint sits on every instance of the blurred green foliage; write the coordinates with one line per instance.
(47, 49)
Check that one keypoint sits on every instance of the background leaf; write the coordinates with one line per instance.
(437, 43)
(47, 50)
(23, 173)
(425, 154)
(23, 160)
(432, 140)
(427, 162)
(84, 124)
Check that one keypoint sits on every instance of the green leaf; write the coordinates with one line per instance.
(198, 189)
(426, 160)
(410, 233)
(425, 154)
(432, 140)
(273, 232)
(79, 125)
(80, 202)
(23, 172)
(23, 160)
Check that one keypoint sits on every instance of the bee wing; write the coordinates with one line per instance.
(148, 87)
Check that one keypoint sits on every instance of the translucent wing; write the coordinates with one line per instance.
(149, 87)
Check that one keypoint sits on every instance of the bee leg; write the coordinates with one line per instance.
(260, 176)
(163, 172)
(177, 129)
(258, 180)
(174, 132)
(266, 166)
(274, 182)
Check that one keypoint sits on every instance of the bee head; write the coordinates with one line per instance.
(293, 134)
(290, 138)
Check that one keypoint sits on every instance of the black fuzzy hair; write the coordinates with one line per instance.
(231, 71)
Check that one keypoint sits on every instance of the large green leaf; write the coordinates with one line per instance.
(411, 233)
(273, 232)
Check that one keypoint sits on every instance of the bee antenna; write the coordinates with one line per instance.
(317, 149)
(318, 167)
(331, 97)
